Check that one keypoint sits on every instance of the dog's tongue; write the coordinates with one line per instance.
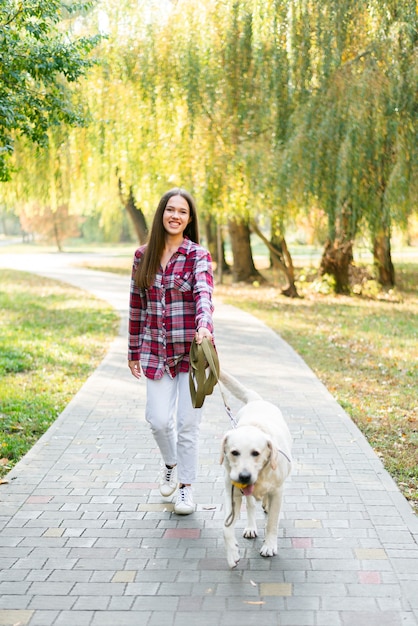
(247, 491)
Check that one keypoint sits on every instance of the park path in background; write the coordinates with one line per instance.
(87, 540)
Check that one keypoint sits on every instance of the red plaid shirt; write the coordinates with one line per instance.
(164, 318)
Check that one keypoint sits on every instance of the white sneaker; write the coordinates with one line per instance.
(168, 480)
(184, 503)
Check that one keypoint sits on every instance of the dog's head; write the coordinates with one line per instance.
(245, 452)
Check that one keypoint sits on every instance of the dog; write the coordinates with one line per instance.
(256, 456)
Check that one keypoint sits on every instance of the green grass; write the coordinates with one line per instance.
(52, 337)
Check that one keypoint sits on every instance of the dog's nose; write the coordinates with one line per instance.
(244, 477)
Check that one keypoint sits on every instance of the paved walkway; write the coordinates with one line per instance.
(86, 539)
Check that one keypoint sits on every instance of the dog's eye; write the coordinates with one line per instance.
(234, 452)
(255, 453)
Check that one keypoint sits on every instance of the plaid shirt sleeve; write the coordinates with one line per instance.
(203, 290)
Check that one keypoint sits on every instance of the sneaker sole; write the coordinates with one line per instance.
(183, 512)
(168, 493)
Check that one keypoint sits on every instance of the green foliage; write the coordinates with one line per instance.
(38, 62)
(324, 284)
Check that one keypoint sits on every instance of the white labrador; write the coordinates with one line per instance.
(257, 459)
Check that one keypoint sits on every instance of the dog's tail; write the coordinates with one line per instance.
(238, 389)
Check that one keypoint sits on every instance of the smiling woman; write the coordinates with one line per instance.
(170, 306)
(53, 337)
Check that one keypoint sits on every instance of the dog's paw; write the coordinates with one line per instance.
(268, 549)
(233, 557)
(250, 533)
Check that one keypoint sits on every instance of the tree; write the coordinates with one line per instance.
(53, 226)
(352, 151)
(280, 258)
(134, 212)
(395, 130)
(204, 82)
(38, 63)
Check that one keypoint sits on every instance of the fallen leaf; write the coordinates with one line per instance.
(249, 602)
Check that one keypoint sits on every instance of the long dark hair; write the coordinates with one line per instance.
(151, 259)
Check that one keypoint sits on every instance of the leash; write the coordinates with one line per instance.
(203, 357)
(228, 409)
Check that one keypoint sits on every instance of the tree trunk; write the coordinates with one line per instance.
(336, 260)
(383, 260)
(282, 259)
(56, 232)
(138, 218)
(243, 269)
(338, 251)
(135, 213)
(211, 231)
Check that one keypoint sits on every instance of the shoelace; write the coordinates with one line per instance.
(169, 471)
(182, 493)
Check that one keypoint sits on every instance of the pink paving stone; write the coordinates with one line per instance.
(182, 533)
(369, 578)
(38, 499)
(301, 542)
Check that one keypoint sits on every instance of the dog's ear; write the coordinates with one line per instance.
(273, 454)
(224, 440)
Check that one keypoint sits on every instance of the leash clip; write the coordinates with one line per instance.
(234, 422)
(231, 417)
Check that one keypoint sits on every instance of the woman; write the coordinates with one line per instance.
(170, 305)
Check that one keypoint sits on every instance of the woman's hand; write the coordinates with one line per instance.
(201, 333)
(135, 368)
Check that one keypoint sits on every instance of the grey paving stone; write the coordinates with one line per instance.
(363, 618)
(14, 588)
(122, 618)
(51, 602)
(14, 601)
(48, 618)
(70, 618)
(91, 603)
(121, 603)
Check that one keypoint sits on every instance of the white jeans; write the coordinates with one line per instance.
(174, 423)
